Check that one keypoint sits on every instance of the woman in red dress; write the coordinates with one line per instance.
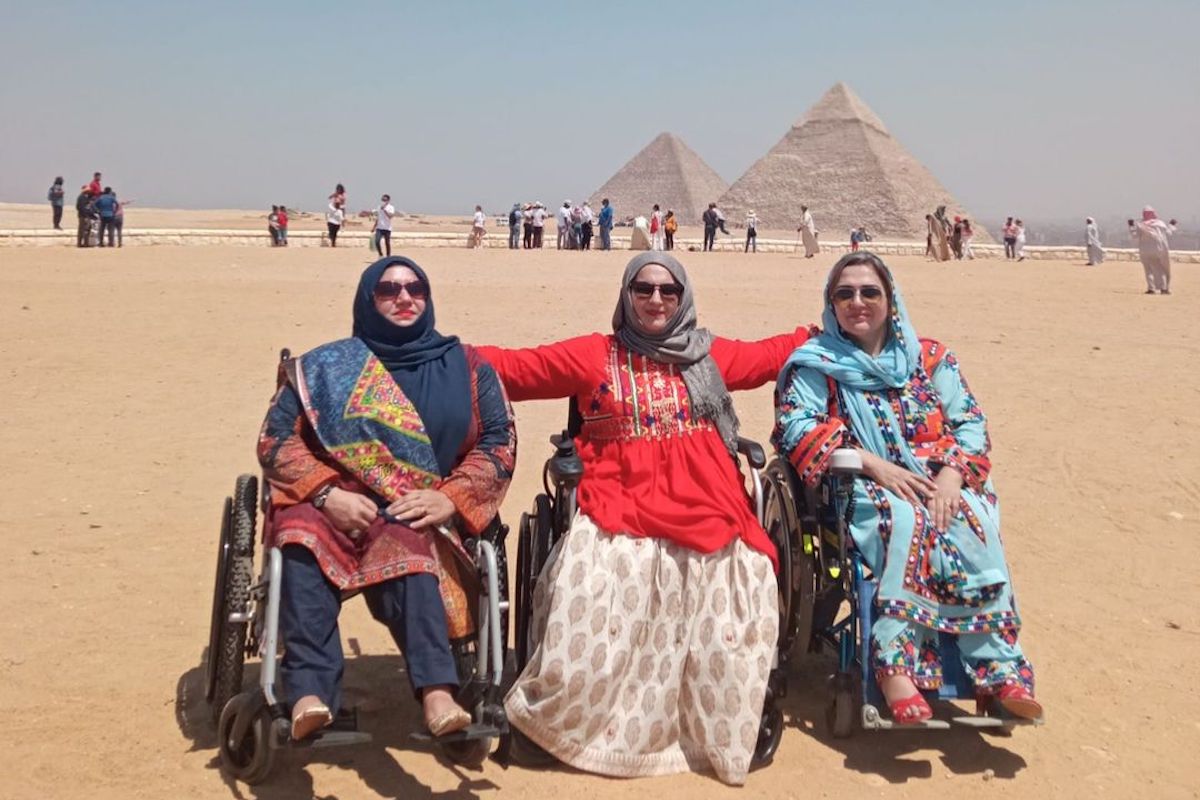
(656, 617)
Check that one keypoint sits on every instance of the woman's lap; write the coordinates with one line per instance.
(652, 659)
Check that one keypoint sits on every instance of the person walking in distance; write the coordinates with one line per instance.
(539, 224)
(119, 220)
(1010, 239)
(106, 208)
(514, 227)
(606, 225)
(527, 225)
(751, 232)
(670, 225)
(55, 196)
(83, 208)
(1095, 251)
(562, 221)
(709, 219)
(283, 226)
(383, 225)
(335, 217)
(656, 229)
(1019, 241)
(1154, 248)
(589, 221)
(478, 227)
(273, 225)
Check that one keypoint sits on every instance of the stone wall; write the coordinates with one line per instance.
(498, 238)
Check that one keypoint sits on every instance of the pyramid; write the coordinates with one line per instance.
(667, 172)
(840, 161)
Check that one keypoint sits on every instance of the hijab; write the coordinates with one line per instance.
(836, 355)
(431, 369)
(682, 344)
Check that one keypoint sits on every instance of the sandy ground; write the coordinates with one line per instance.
(134, 383)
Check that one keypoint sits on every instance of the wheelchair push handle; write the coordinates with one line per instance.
(753, 451)
(565, 466)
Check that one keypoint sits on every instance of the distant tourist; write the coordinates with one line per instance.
(606, 225)
(720, 219)
(657, 242)
(808, 233)
(1095, 251)
(283, 226)
(539, 224)
(968, 234)
(1151, 235)
(83, 207)
(1019, 242)
(338, 198)
(589, 219)
(562, 220)
(55, 196)
(383, 225)
(929, 236)
(273, 225)
(514, 227)
(941, 235)
(478, 227)
(335, 217)
(670, 225)
(119, 221)
(751, 232)
(956, 238)
(576, 230)
(1010, 239)
(106, 209)
(856, 239)
(709, 218)
(94, 186)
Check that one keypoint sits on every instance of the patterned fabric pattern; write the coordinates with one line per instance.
(653, 659)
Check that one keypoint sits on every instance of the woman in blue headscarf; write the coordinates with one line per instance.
(372, 445)
(926, 518)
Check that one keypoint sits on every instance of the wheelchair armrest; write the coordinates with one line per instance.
(753, 451)
(846, 461)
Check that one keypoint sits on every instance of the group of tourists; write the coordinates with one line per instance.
(945, 240)
(277, 226)
(656, 616)
(101, 214)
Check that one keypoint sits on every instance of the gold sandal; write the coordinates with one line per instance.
(452, 721)
(310, 720)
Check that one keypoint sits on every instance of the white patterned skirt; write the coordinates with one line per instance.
(652, 658)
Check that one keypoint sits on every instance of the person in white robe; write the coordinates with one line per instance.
(1153, 246)
(1095, 251)
(808, 232)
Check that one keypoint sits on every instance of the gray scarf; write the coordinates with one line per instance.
(682, 344)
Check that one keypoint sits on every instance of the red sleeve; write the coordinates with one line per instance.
(748, 365)
(562, 369)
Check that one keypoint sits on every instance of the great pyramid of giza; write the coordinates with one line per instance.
(667, 172)
(840, 161)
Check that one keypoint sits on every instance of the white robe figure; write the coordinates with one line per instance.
(808, 231)
(1153, 246)
(1095, 252)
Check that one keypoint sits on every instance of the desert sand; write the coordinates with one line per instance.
(134, 383)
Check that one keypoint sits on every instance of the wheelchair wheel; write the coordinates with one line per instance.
(797, 568)
(231, 595)
(842, 711)
(770, 734)
(244, 738)
(470, 753)
(533, 548)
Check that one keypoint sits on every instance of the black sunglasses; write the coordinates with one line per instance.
(869, 294)
(645, 289)
(387, 290)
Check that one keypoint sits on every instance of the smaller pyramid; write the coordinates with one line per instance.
(667, 172)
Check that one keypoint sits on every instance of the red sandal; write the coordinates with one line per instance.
(911, 710)
(1018, 701)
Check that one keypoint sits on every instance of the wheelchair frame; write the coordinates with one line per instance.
(254, 725)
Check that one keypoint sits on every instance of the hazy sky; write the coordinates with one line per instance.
(1046, 109)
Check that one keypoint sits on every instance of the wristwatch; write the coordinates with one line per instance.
(322, 495)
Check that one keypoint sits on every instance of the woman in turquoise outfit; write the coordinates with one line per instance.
(926, 518)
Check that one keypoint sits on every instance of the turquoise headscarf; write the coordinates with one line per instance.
(834, 354)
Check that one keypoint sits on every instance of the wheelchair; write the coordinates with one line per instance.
(548, 521)
(254, 725)
(827, 599)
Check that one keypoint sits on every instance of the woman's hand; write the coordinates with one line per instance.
(422, 507)
(903, 482)
(943, 503)
(349, 512)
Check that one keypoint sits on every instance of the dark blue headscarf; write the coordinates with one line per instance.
(431, 369)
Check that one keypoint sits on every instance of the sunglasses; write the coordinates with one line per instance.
(390, 290)
(869, 294)
(645, 290)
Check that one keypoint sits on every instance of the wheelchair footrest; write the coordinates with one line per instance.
(873, 721)
(477, 730)
(335, 738)
(975, 721)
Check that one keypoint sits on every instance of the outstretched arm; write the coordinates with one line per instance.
(562, 369)
(748, 365)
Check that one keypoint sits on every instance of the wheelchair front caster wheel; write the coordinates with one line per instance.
(841, 712)
(244, 739)
(770, 734)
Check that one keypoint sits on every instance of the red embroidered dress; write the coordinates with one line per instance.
(650, 468)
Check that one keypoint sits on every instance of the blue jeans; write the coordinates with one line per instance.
(383, 236)
(410, 606)
(514, 236)
(605, 238)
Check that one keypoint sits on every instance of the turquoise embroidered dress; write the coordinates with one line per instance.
(911, 406)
